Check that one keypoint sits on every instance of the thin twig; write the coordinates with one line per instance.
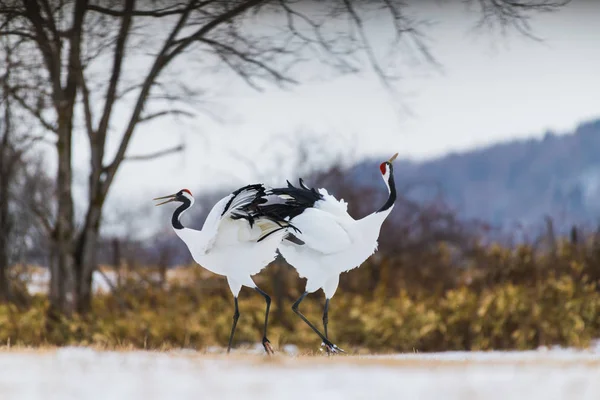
(158, 154)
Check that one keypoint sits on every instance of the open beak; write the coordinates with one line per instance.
(170, 198)
(393, 158)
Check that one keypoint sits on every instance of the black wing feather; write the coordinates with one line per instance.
(296, 200)
(254, 202)
(248, 203)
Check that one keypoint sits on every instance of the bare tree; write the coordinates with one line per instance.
(9, 159)
(74, 54)
(20, 178)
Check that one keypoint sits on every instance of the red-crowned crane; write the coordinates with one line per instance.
(328, 241)
(237, 240)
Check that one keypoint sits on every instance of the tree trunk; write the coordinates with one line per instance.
(6, 175)
(4, 225)
(85, 265)
(117, 261)
(62, 292)
(86, 255)
(4, 261)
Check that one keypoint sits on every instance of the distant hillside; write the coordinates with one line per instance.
(519, 181)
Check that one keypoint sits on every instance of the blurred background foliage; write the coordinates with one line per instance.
(493, 297)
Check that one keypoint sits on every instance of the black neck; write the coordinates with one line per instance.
(392, 197)
(177, 214)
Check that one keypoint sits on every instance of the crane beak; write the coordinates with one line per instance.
(393, 158)
(171, 197)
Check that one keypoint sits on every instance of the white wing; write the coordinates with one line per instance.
(214, 216)
(202, 241)
(332, 205)
(232, 221)
(322, 231)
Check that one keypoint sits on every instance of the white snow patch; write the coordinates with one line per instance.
(81, 373)
(39, 281)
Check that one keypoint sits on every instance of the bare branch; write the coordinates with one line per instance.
(215, 22)
(42, 217)
(37, 113)
(164, 57)
(159, 114)
(74, 59)
(175, 9)
(514, 14)
(340, 56)
(18, 33)
(129, 89)
(49, 21)
(383, 77)
(223, 50)
(51, 55)
(116, 69)
(158, 154)
(87, 108)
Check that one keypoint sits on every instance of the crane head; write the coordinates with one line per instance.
(385, 166)
(181, 196)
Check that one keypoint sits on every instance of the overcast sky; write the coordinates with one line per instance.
(490, 89)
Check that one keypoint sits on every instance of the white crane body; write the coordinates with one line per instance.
(230, 247)
(334, 243)
(237, 240)
(328, 241)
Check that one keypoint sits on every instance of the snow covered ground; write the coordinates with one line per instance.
(79, 373)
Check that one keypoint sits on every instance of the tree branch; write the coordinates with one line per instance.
(50, 22)
(87, 108)
(34, 112)
(28, 141)
(159, 114)
(383, 77)
(74, 61)
(163, 58)
(163, 12)
(514, 13)
(116, 69)
(158, 154)
(18, 33)
(51, 55)
(42, 216)
(226, 16)
(223, 49)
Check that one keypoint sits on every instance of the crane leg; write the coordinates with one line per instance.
(236, 316)
(331, 348)
(325, 322)
(326, 316)
(265, 341)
